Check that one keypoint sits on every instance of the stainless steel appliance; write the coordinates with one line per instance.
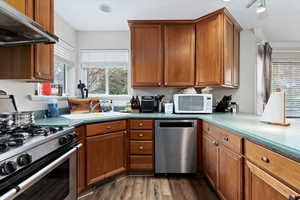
(38, 163)
(18, 29)
(175, 146)
(193, 103)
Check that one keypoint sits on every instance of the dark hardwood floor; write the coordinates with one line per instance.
(152, 188)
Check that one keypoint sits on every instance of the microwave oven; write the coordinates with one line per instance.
(193, 103)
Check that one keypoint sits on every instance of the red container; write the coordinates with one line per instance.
(46, 89)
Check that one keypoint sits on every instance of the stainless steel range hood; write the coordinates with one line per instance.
(17, 29)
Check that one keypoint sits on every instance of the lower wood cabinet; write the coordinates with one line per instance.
(230, 174)
(105, 156)
(261, 185)
(81, 159)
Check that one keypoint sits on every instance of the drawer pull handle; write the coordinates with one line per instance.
(108, 127)
(293, 197)
(141, 124)
(141, 135)
(226, 139)
(215, 143)
(141, 147)
(265, 159)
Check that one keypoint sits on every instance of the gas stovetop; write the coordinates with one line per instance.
(22, 146)
(10, 139)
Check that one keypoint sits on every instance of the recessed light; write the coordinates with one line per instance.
(226, 0)
(105, 8)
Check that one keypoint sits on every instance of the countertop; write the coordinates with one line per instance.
(285, 140)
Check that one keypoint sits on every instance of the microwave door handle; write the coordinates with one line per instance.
(37, 176)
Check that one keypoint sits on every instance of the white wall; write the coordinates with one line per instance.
(245, 96)
(21, 89)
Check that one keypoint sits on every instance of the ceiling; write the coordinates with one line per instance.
(279, 23)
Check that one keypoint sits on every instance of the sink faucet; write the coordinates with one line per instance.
(93, 107)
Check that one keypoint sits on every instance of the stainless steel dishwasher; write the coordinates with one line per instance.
(175, 146)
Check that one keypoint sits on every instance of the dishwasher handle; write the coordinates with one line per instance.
(176, 124)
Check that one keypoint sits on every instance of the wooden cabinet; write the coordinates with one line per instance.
(230, 174)
(146, 55)
(261, 185)
(30, 62)
(81, 160)
(201, 52)
(210, 159)
(140, 144)
(179, 47)
(222, 161)
(217, 50)
(105, 156)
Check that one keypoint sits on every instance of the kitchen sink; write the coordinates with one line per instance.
(93, 115)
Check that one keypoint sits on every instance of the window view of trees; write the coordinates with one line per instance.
(60, 75)
(112, 81)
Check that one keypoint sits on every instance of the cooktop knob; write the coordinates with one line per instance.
(63, 140)
(24, 160)
(8, 168)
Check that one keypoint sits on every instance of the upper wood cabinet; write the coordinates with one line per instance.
(201, 52)
(179, 69)
(30, 62)
(146, 55)
(217, 51)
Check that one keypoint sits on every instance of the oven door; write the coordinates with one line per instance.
(56, 181)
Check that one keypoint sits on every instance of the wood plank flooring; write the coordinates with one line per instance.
(153, 188)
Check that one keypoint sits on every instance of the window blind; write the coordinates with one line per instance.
(65, 52)
(286, 75)
(104, 58)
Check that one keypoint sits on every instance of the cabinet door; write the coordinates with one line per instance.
(230, 174)
(228, 51)
(179, 55)
(260, 185)
(146, 53)
(236, 60)
(210, 159)
(44, 55)
(105, 156)
(209, 51)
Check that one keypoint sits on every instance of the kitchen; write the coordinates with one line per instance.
(149, 100)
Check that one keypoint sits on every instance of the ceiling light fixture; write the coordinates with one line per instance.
(262, 7)
(226, 0)
(105, 8)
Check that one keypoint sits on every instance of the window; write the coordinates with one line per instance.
(60, 72)
(286, 75)
(105, 71)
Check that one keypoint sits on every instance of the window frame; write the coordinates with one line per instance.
(66, 67)
(83, 72)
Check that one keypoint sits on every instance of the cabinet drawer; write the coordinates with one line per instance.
(212, 130)
(141, 162)
(232, 141)
(141, 147)
(141, 134)
(284, 168)
(106, 127)
(141, 124)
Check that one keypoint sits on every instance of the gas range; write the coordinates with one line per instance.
(22, 146)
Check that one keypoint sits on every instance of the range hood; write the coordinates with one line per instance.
(18, 29)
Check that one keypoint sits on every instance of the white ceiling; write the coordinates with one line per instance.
(280, 23)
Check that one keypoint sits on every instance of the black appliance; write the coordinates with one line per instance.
(148, 104)
(38, 163)
(224, 105)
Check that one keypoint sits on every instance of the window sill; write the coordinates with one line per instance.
(111, 97)
(46, 98)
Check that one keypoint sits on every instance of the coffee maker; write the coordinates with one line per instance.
(224, 105)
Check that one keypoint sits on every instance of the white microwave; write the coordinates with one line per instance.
(193, 103)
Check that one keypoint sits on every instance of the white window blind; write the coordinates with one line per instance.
(286, 75)
(65, 52)
(104, 58)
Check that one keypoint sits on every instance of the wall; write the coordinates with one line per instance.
(21, 89)
(245, 96)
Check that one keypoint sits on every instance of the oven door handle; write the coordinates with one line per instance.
(11, 194)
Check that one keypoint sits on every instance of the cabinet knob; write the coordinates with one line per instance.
(226, 139)
(141, 147)
(215, 143)
(141, 124)
(265, 159)
(159, 84)
(141, 135)
(293, 197)
(166, 83)
(125, 131)
(108, 127)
